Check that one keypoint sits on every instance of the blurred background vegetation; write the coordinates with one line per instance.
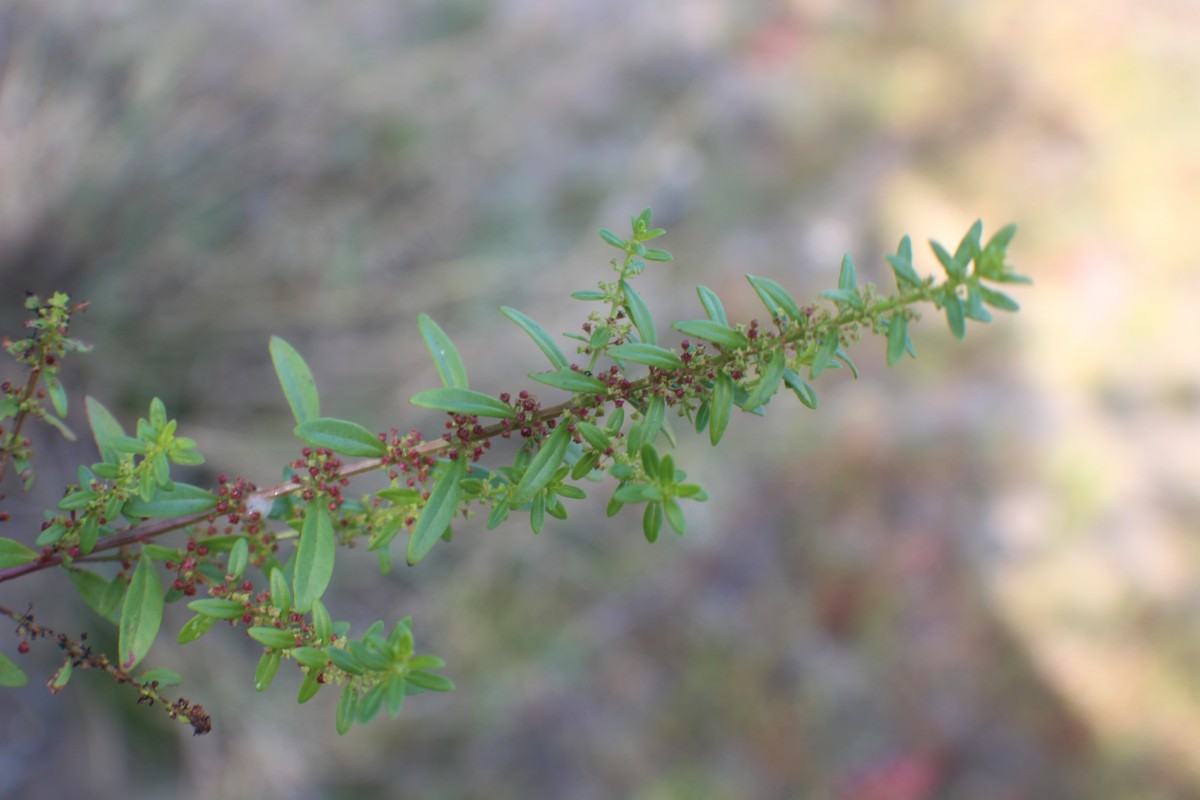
(969, 577)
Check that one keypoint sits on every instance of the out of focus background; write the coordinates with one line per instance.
(972, 576)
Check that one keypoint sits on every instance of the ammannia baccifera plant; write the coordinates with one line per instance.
(260, 559)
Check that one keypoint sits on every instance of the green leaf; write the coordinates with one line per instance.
(321, 622)
(430, 680)
(76, 500)
(539, 335)
(58, 395)
(296, 379)
(712, 305)
(649, 354)
(158, 414)
(652, 420)
(11, 675)
(217, 608)
(639, 314)
(612, 238)
(165, 677)
(570, 381)
(722, 405)
(675, 515)
(768, 383)
(637, 493)
(272, 637)
(239, 559)
(95, 591)
(345, 661)
(950, 264)
(715, 332)
(347, 707)
(445, 355)
(955, 316)
(463, 401)
(850, 297)
(370, 704)
(588, 294)
(998, 300)
(314, 557)
(848, 276)
(652, 521)
(141, 614)
(311, 657)
(439, 511)
(281, 595)
(268, 665)
(592, 434)
(181, 501)
(824, 354)
(195, 627)
(653, 254)
(803, 391)
(541, 469)
(104, 428)
(340, 436)
(775, 297)
(395, 695)
(897, 338)
(14, 554)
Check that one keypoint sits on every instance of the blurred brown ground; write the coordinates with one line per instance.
(969, 577)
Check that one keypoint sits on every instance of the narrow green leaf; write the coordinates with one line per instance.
(588, 294)
(652, 519)
(181, 501)
(570, 381)
(321, 622)
(543, 466)
(775, 297)
(768, 383)
(14, 554)
(824, 354)
(537, 512)
(347, 707)
(58, 395)
(652, 421)
(639, 314)
(311, 657)
(649, 354)
(61, 676)
(715, 332)
(463, 401)
(95, 591)
(712, 305)
(370, 704)
(955, 316)
(104, 428)
(309, 687)
(395, 695)
(637, 493)
(998, 300)
(239, 559)
(268, 665)
(653, 254)
(340, 436)
(296, 380)
(952, 267)
(163, 676)
(141, 614)
(722, 405)
(314, 557)
(905, 274)
(803, 391)
(850, 297)
(897, 338)
(539, 335)
(612, 238)
(195, 627)
(272, 637)
(217, 608)
(430, 680)
(674, 515)
(439, 511)
(592, 434)
(848, 277)
(445, 355)
(11, 676)
(281, 595)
